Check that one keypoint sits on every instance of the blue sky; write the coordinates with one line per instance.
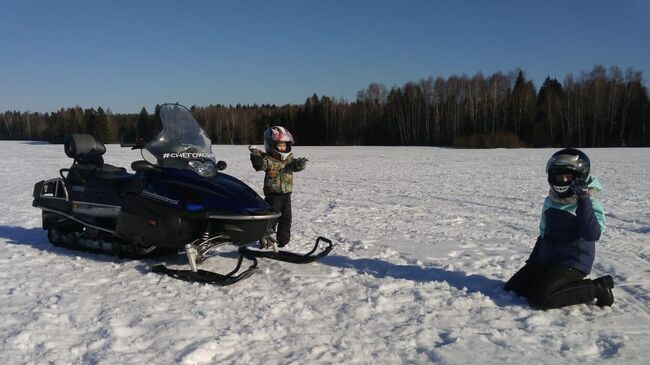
(124, 55)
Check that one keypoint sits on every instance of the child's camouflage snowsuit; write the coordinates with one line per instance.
(279, 173)
(278, 183)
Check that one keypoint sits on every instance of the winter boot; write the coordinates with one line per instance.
(604, 296)
(268, 243)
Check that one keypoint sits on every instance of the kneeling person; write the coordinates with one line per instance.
(571, 223)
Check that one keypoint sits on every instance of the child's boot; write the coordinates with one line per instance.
(604, 295)
(268, 243)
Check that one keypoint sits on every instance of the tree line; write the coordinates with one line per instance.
(600, 108)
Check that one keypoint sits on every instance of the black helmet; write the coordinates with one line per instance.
(275, 135)
(567, 161)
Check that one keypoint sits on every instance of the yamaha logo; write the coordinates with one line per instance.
(79, 188)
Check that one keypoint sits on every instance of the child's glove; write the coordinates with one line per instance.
(301, 163)
(256, 158)
(580, 187)
(254, 151)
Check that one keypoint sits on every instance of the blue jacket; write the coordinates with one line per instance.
(568, 232)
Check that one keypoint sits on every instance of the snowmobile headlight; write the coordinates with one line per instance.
(205, 169)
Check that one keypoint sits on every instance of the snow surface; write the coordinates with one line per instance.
(425, 239)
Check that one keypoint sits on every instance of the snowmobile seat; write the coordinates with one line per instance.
(88, 161)
(81, 171)
(111, 172)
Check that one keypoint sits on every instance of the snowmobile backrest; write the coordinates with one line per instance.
(84, 148)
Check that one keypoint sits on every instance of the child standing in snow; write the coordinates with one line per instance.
(279, 165)
(572, 221)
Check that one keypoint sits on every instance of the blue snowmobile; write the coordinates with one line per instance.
(177, 200)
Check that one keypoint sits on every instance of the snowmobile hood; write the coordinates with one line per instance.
(222, 193)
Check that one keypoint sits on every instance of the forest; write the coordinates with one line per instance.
(605, 107)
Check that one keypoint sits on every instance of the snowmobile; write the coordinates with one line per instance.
(177, 200)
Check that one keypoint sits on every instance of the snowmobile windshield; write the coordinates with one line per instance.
(182, 143)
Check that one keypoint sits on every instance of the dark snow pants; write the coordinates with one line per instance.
(281, 203)
(552, 287)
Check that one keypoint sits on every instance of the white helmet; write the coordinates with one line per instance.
(275, 135)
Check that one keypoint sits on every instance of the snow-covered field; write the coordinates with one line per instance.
(425, 238)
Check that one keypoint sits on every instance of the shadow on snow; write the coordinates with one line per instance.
(491, 288)
(36, 237)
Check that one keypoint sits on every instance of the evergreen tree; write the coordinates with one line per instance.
(523, 107)
(144, 128)
(102, 127)
(549, 128)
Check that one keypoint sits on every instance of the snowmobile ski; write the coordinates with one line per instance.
(209, 277)
(286, 256)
